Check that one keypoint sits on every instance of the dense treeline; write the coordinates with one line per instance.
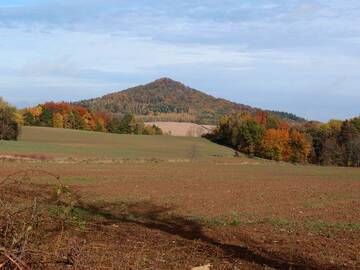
(335, 143)
(9, 121)
(263, 135)
(65, 115)
(289, 116)
(266, 136)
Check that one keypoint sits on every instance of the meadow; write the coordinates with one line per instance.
(85, 144)
(162, 202)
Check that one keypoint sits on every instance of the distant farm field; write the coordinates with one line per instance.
(232, 213)
(183, 129)
(75, 143)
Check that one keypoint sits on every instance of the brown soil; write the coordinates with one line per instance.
(166, 216)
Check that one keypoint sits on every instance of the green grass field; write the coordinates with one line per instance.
(84, 144)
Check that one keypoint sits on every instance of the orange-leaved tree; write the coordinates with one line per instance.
(300, 146)
(275, 145)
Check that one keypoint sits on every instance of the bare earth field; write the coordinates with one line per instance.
(234, 213)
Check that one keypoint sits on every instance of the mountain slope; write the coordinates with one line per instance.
(166, 100)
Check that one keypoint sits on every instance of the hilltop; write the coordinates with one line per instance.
(169, 100)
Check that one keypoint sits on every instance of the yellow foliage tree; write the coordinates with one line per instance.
(58, 120)
(36, 111)
(89, 121)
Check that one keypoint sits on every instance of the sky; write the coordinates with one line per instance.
(297, 56)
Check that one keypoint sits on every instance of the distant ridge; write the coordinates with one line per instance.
(169, 100)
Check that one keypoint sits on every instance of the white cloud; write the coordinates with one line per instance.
(265, 47)
(63, 52)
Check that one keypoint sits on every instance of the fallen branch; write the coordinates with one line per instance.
(16, 261)
(13, 259)
(3, 264)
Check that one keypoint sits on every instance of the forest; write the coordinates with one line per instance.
(267, 136)
(65, 115)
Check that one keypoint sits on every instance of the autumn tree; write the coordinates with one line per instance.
(130, 125)
(348, 139)
(65, 115)
(264, 135)
(32, 116)
(58, 120)
(46, 117)
(356, 123)
(240, 131)
(9, 126)
(300, 146)
(275, 145)
(87, 121)
(335, 142)
(114, 125)
(152, 130)
(73, 120)
(100, 125)
(331, 152)
(249, 136)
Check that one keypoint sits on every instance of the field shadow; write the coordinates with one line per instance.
(157, 217)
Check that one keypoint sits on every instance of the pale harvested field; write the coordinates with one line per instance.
(183, 129)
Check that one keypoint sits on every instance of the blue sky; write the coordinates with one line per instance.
(293, 55)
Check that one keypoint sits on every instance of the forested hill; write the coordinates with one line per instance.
(169, 100)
